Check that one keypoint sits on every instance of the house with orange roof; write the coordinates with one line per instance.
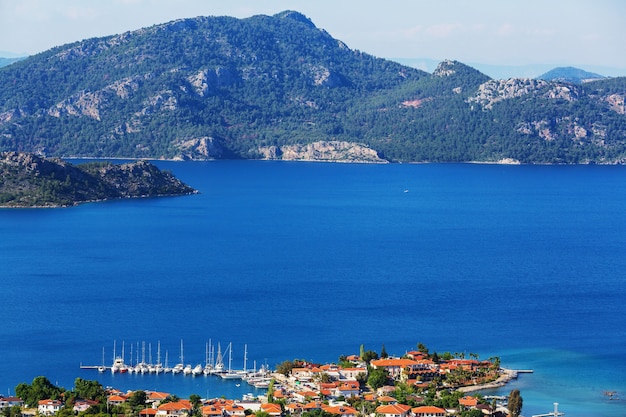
(326, 393)
(302, 374)
(83, 405)
(341, 410)
(428, 411)
(49, 407)
(234, 410)
(116, 399)
(417, 383)
(211, 410)
(468, 401)
(272, 409)
(293, 408)
(148, 412)
(174, 409)
(393, 410)
(348, 390)
(312, 405)
(370, 397)
(304, 396)
(395, 366)
(415, 355)
(387, 399)
(153, 397)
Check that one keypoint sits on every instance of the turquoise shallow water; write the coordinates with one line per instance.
(312, 260)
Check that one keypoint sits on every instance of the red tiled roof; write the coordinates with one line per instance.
(393, 362)
(271, 408)
(393, 409)
(468, 401)
(178, 405)
(387, 399)
(340, 410)
(428, 409)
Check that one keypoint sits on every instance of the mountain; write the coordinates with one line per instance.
(570, 75)
(31, 181)
(8, 61)
(278, 87)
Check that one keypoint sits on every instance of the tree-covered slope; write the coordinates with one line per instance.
(279, 87)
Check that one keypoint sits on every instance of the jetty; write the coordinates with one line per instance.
(507, 376)
(555, 413)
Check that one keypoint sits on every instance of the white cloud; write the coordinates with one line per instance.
(443, 30)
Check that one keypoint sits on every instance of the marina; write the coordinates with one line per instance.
(213, 364)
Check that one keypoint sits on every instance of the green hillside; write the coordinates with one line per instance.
(277, 87)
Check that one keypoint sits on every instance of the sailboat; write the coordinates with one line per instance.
(219, 361)
(102, 368)
(208, 367)
(179, 367)
(118, 361)
(167, 368)
(230, 374)
(158, 368)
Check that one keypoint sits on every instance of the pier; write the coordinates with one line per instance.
(555, 413)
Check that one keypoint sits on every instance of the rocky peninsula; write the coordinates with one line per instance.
(29, 180)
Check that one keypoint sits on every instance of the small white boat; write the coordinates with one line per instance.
(187, 370)
(197, 370)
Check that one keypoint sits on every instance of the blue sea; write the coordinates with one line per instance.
(311, 260)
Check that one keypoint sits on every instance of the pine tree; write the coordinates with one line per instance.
(383, 352)
(515, 403)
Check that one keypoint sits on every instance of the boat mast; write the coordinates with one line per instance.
(219, 362)
(230, 356)
(245, 357)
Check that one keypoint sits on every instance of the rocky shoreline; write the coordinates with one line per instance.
(31, 181)
(507, 376)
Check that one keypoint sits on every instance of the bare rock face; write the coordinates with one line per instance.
(445, 69)
(494, 91)
(206, 80)
(616, 103)
(200, 148)
(330, 151)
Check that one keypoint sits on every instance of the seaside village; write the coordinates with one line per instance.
(415, 385)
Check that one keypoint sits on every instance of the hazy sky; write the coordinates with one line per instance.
(501, 32)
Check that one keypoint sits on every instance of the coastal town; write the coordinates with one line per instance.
(416, 384)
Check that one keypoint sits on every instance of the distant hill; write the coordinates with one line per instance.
(31, 181)
(570, 75)
(278, 87)
(8, 61)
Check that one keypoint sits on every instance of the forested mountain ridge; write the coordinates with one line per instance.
(278, 87)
